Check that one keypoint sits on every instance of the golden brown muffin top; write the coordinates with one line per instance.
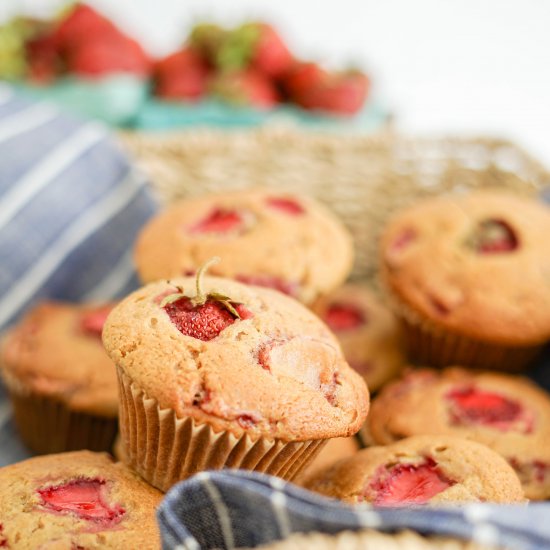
(268, 238)
(275, 370)
(421, 470)
(56, 351)
(508, 413)
(477, 264)
(76, 500)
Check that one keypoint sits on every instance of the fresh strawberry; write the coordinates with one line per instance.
(255, 46)
(341, 317)
(114, 54)
(340, 93)
(219, 220)
(246, 88)
(302, 77)
(44, 62)
(494, 236)
(206, 39)
(408, 484)
(83, 498)
(271, 55)
(203, 316)
(181, 75)
(80, 25)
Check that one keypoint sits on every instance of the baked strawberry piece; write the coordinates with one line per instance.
(72, 500)
(421, 470)
(61, 382)
(367, 330)
(509, 414)
(266, 238)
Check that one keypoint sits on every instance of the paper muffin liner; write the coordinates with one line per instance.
(432, 345)
(165, 449)
(47, 425)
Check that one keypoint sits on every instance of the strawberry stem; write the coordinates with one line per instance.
(200, 297)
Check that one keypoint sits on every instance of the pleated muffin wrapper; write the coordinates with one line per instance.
(46, 425)
(165, 449)
(430, 345)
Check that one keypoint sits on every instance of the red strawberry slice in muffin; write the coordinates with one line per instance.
(85, 498)
(493, 237)
(220, 220)
(409, 484)
(270, 281)
(203, 316)
(286, 205)
(92, 322)
(342, 317)
(470, 405)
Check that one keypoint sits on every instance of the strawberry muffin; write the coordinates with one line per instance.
(214, 374)
(368, 332)
(508, 413)
(61, 382)
(78, 500)
(468, 275)
(421, 470)
(268, 238)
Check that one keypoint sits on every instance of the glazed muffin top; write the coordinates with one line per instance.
(508, 413)
(268, 238)
(367, 331)
(56, 351)
(421, 470)
(476, 264)
(76, 500)
(249, 359)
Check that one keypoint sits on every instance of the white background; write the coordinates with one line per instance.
(443, 66)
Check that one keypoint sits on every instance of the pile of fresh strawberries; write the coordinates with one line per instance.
(83, 43)
(246, 66)
(251, 65)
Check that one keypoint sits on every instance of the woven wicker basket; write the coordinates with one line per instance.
(363, 179)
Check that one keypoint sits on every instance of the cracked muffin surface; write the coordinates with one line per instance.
(269, 238)
(266, 366)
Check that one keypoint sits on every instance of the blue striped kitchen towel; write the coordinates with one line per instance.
(71, 204)
(70, 207)
(234, 509)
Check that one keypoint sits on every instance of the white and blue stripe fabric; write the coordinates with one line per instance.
(70, 207)
(71, 204)
(238, 509)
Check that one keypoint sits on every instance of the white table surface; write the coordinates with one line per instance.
(443, 66)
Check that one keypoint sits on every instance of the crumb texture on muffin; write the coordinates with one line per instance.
(475, 264)
(508, 413)
(274, 370)
(421, 470)
(56, 352)
(367, 331)
(268, 238)
(76, 500)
